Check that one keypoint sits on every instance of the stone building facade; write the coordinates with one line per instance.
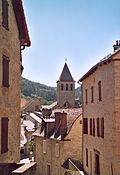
(66, 89)
(57, 140)
(13, 38)
(101, 121)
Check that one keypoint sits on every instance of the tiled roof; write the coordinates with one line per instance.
(66, 75)
(21, 22)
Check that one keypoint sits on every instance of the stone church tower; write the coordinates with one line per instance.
(66, 89)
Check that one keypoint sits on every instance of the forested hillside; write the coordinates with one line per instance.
(30, 89)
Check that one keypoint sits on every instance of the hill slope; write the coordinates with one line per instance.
(30, 89)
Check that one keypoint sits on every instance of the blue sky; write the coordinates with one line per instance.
(83, 31)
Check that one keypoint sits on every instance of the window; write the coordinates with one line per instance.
(5, 78)
(86, 157)
(71, 87)
(44, 146)
(102, 127)
(4, 135)
(48, 170)
(90, 126)
(98, 128)
(66, 87)
(85, 126)
(99, 91)
(5, 13)
(57, 151)
(92, 94)
(62, 87)
(93, 127)
(86, 96)
(97, 164)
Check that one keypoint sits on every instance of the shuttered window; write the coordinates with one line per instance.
(90, 126)
(98, 128)
(5, 77)
(85, 126)
(4, 135)
(5, 13)
(102, 127)
(93, 127)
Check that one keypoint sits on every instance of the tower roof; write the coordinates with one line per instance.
(66, 75)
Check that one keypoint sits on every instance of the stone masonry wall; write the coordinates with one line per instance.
(10, 97)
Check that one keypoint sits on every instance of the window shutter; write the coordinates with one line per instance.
(93, 127)
(85, 126)
(90, 126)
(4, 135)
(5, 13)
(5, 71)
(102, 127)
(98, 128)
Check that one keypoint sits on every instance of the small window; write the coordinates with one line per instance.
(44, 146)
(5, 72)
(4, 135)
(93, 127)
(62, 87)
(5, 13)
(85, 126)
(86, 157)
(48, 170)
(66, 87)
(99, 91)
(98, 127)
(90, 126)
(97, 164)
(92, 94)
(86, 96)
(57, 150)
(71, 87)
(102, 127)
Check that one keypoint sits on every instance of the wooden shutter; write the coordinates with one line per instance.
(5, 13)
(4, 135)
(102, 127)
(90, 126)
(98, 128)
(93, 127)
(5, 71)
(85, 126)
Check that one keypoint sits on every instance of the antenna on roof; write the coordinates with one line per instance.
(65, 60)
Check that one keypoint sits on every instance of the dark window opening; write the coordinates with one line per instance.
(71, 87)
(90, 126)
(86, 157)
(5, 13)
(92, 94)
(97, 164)
(99, 91)
(5, 77)
(85, 126)
(66, 87)
(4, 135)
(86, 96)
(93, 127)
(102, 127)
(48, 170)
(98, 128)
(62, 87)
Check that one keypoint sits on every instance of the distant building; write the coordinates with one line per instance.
(101, 116)
(14, 38)
(59, 138)
(66, 89)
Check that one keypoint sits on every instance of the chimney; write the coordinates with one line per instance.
(63, 126)
(57, 123)
(116, 46)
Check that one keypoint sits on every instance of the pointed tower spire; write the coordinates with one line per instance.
(66, 75)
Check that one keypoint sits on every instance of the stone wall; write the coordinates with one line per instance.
(10, 97)
(109, 108)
